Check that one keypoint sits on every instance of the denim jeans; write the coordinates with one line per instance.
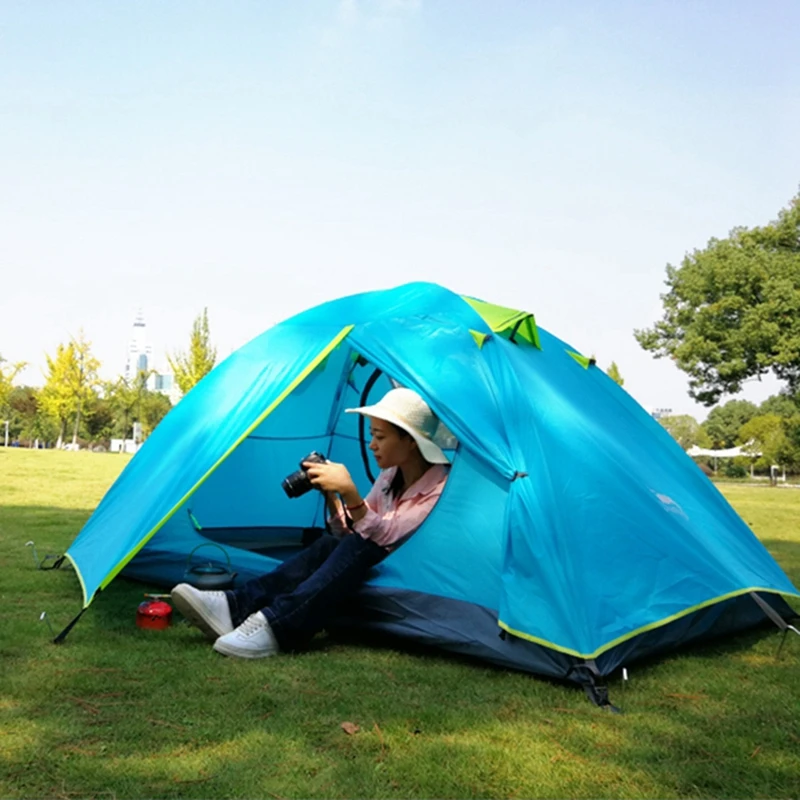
(305, 592)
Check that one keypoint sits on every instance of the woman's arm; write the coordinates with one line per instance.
(335, 479)
(337, 523)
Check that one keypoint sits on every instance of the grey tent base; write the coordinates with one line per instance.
(472, 631)
(465, 628)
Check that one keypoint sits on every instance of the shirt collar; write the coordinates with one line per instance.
(428, 481)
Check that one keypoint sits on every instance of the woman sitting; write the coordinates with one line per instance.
(284, 608)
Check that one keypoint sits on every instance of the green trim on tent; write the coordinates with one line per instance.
(507, 322)
(195, 522)
(479, 337)
(80, 578)
(584, 361)
(638, 631)
(308, 369)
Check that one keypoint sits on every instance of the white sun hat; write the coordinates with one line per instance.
(406, 409)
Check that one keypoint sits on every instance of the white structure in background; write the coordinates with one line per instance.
(127, 446)
(733, 452)
(660, 413)
(730, 452)
(140, 353)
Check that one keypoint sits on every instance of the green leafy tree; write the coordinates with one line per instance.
(21, 407)
(124, 398)
(764, 434)
(685, 430)
(8, 372)
(783, 404)
(70, 382)
(99, 419)
(790, 455)
(613, 373)
(83, 379)
(732, 312)
(154, 406)
(29, 422)
(190, 368)
(724, 422)
(56, 398)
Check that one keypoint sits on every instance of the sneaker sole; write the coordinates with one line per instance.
(195, 613)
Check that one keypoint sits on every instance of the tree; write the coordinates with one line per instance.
(69, 384)
(124, 397)
(99, 419)
(685, 430)
(154, 406)
(613, 373)
(22, 408)
(83, 378)
(8, 372)
(732, 312)
(190, 369)
(724, 422)
(789, 456)
(56, 398)
(765, 435)
(783, 404)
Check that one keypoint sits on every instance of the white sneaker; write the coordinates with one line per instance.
(209, 611)
(252, 639)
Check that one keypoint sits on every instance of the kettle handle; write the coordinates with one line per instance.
(209, 544)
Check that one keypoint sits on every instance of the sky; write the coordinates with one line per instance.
(257, 158)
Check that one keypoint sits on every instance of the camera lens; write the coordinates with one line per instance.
(296, 484)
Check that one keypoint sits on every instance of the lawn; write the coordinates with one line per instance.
(119, 712)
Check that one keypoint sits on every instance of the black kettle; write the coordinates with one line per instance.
(209, 577)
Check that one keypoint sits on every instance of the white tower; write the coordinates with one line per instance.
(139, 351)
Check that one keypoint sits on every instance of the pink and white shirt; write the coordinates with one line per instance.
(388, 518)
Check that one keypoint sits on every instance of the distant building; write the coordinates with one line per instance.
(139, 358)
(139, 351)
(660, 413)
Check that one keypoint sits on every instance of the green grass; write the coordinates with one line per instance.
(121, 712)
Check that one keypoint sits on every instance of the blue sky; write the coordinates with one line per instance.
(260, 157)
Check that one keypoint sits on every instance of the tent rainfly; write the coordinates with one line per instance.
(573, 535)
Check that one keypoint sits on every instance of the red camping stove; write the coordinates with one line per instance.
(154, 614)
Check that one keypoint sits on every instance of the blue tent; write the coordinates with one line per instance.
(573, 535)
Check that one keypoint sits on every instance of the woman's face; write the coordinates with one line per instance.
(390, 447)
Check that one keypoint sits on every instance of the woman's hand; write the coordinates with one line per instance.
(330, 477)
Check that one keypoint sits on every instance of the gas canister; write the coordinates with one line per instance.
(154, 614)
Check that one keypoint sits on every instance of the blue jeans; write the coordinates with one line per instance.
(305, 592)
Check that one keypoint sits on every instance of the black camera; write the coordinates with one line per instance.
(298, 483)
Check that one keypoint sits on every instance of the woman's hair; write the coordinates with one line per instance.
(396, 486)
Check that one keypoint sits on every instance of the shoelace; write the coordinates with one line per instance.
(253, 624)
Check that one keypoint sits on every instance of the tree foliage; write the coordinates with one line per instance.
(685, 430)
(83, 378)
(8, 372)
(154, 407)
(190, 368)
(783, 404)
(764, 434)
(73, 395)
(724, 422)
(56, 398)
(614, 374)
(69, 384)
(28, 421)
(732, 311)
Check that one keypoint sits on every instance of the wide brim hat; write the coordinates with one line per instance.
(406, 409)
